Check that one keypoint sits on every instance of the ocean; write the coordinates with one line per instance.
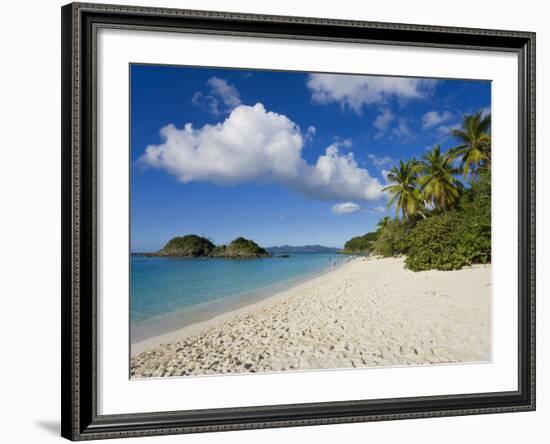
(170, 293)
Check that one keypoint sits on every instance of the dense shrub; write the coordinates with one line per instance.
(453, 239)
(390, 240)
(360, 244)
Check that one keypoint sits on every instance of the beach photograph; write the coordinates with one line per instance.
(290, 221)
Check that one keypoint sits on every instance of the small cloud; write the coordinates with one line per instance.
(222, 97)
(345, 208)
(310, 133)
(378, 209)
(206, 102)
(434, 118)
(225, 91)
(447, 129)
(380, 161)
(402, 131)
(341, 143)
(383, 120)
(346, 143)
(355, 91)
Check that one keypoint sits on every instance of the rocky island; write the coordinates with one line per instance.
(192, 245)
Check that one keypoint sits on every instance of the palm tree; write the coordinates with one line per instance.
(438, 183)
(383, 223)
(475, 149)
(404, 187)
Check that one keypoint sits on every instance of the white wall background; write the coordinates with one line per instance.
(30, 221)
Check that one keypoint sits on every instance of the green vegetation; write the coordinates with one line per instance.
(383, 223)
(360, 244)
(197, 246)
(187, 246)
(439, 223)
(389, 241)
(240, 248)
(404, 189)
(475, 149)
(438, 185)
(455, 238)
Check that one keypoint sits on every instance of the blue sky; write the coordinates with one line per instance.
(278, 157)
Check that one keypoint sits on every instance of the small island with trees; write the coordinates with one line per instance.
(193, 246)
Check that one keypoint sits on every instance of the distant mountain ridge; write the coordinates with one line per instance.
(302, 249)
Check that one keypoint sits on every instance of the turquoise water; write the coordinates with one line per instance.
(166, 287)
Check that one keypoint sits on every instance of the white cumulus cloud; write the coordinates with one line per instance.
(354, 91)
(434, 118)
(256, 145)
(345, 208)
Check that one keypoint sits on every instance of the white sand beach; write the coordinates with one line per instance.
(367, 313)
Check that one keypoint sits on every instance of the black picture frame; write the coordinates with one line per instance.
(80, 420)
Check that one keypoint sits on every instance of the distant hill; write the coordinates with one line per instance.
(302, 249)
(192, 245)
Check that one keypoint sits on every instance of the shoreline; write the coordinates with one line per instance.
(366, 313)
(257, 300)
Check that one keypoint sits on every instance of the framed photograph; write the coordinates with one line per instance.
(283, 221)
